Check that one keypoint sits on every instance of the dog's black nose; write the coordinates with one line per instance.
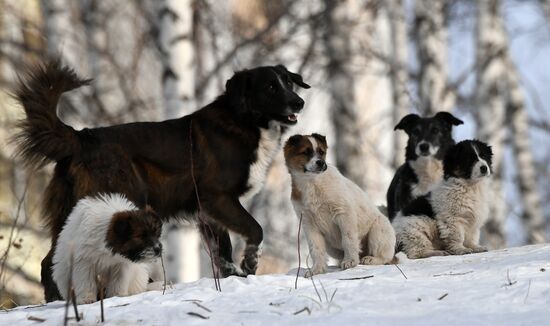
(424, 148)
(297, 104)
(321, 165)
(483, 170)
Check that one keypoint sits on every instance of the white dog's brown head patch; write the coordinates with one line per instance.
(306, 153)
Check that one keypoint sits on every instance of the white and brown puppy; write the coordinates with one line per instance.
(448, 219)
(337, 216)
(106, 236)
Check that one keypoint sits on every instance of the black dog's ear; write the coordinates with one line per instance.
(296, 78)
(236, 90)
(320, 138)
(449, 118)
(407, 122)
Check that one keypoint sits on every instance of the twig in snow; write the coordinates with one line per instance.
(527, 294)
(453, 274)
(197, 315)
(75, 307)
(101, 295)
(313, 282)
(355, 278)
(200, 306)
(405, 276)
(37, 319)
(215, 271)
(302, 310)
(299, 256)
(509, 281)
(70, 291)
(163, 274)
(443, 296)
(333, 294)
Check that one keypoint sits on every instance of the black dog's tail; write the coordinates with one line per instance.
(43, 137)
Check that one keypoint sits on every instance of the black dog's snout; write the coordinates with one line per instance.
(483, 170)
(297, 104)
(424, 148)
(157, 249)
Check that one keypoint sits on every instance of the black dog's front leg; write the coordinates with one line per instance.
(220, 249)
(228, 212)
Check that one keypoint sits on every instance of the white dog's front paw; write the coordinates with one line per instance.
(349, 263)
(460, 251)
(477, 249)
(316, 270)
(86, 298)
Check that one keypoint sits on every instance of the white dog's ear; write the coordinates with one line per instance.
(320, 138)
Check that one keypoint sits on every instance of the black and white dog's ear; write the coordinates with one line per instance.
(407, 122)
(485, 152)
(236, 90)
(122, 227)
(320, 138)
(449, 118)
(296, 78)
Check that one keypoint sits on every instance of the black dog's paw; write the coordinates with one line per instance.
(230, 269)
(250, 260)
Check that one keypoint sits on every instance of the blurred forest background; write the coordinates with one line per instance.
(370, 62)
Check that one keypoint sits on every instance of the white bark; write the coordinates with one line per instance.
(350, 158)
(491, 87)
(176, 36)
(178, 79)
(431, 38)
(525, 167)
(399, 74)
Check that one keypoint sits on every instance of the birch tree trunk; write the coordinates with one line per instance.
(178, 81)
(350, 158)
(399, 75)
(491, 47)
(60, 35)
(518, 120)
(430, 31)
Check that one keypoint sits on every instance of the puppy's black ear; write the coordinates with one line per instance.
(293, 140)
(451, 162)
(122, 226)
(296, 78)
(485, 152)
(320, 138)
(407, 122)
(449, 118)
(236, 89)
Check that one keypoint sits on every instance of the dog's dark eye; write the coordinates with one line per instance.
(435, 130)
(321, 152)
(416, 131)
(272, 87)
(307, 152)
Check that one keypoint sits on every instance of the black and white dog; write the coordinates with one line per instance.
(212, 160)
(448, 219)
(429, 140)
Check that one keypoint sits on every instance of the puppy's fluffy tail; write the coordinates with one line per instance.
(43, 137)
(399, 258)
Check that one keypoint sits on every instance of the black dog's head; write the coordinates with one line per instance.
(469, 159)
(428, 136)
(266, 94)
(135, 235)
(306, 153)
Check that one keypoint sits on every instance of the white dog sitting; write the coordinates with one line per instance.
(337, 216)
(106, 236)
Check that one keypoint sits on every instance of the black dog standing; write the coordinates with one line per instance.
(220, 152)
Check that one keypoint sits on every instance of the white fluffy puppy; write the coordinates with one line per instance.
(338, 217)
(109, 237)
(449, 219)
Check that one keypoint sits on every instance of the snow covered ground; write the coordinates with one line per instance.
(505, 287)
